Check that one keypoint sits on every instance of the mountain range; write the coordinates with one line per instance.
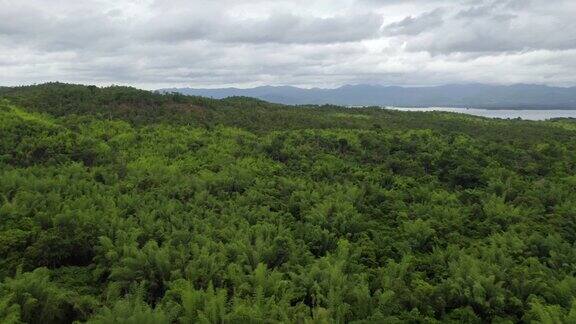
(519, 96)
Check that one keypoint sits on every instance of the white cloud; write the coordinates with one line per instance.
(307, 43)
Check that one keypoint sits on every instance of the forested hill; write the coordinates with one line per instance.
(119, 205)
(518, 96)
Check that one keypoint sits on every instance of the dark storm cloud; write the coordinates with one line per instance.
(410, 25)
(53, 31)
(276, 28)
(500, 26)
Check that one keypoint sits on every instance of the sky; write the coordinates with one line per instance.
(308, 43)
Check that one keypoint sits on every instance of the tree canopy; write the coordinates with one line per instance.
(119, 205)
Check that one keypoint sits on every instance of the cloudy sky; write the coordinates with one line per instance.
(309, 43)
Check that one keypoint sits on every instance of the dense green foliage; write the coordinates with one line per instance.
(120, 205)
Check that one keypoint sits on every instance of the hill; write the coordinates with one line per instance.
(122, 205)
(518, 96)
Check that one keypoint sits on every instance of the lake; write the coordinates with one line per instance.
(526, 114)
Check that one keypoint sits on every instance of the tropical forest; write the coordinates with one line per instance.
(120, 205)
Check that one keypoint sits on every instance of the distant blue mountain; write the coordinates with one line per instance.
(520, 96)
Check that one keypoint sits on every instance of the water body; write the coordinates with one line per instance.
(504, 114)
